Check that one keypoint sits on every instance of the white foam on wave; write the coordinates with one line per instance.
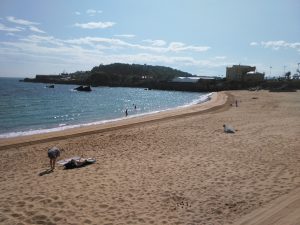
(61, 127)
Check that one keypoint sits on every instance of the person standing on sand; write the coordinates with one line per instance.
(53, 154)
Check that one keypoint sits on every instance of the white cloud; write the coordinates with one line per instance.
(100, 43)
(35, 29)
(20, 21)
(37, 39)
(93, 12)
(42, 50)
(178, 46)
(9, 29)
(155, 42)
(90, 51)
(21, 28)
(220, 57)
(281, 44)
(77, 13)
(28, 25)
(95, 25)
(10, 34)
(96, 40)
(253, 43)
(117, 43)
(276, 45)
(124, 35)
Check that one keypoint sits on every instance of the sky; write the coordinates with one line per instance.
(201, 37)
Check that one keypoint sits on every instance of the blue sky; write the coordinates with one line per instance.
(197, 36)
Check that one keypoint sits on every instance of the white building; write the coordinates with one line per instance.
(191, 79)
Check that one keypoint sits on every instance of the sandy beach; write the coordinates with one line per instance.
(176, 167)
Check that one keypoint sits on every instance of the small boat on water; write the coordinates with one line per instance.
(50, 86)
(83, 88)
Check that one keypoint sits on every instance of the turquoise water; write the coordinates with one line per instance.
(31, 108)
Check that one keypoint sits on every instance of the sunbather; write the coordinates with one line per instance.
(79, 162)
(228, 129)
(75, 163)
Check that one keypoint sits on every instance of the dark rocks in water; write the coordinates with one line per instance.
(50, 86)
(83, 88)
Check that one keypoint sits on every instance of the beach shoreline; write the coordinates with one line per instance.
(173, 168)
(63, 108)
(215, 101)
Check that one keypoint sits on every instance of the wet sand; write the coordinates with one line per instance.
(177, 167)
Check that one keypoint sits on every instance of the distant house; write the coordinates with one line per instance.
(191, 79)
(243, 73)
(296, 77)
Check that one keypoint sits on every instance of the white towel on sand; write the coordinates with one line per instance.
(228, 129)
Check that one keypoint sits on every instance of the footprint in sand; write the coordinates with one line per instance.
(103, 206)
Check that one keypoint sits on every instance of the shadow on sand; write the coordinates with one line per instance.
(48, 171)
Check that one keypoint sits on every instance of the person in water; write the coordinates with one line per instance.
(53, 154)
(126, 112)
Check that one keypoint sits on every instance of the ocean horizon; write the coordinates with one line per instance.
(32, 108)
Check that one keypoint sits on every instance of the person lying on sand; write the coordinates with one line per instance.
(228, 129)
(79, 162)
(53, 154)
(76, 163)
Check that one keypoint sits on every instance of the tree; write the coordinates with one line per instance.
(288, 75)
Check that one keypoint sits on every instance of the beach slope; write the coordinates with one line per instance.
(284, 210)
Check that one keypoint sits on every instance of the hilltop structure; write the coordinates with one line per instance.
(243, 73)
(194, 79)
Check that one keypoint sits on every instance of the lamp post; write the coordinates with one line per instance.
(270, 70)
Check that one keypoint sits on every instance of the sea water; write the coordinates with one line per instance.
(32, 108)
